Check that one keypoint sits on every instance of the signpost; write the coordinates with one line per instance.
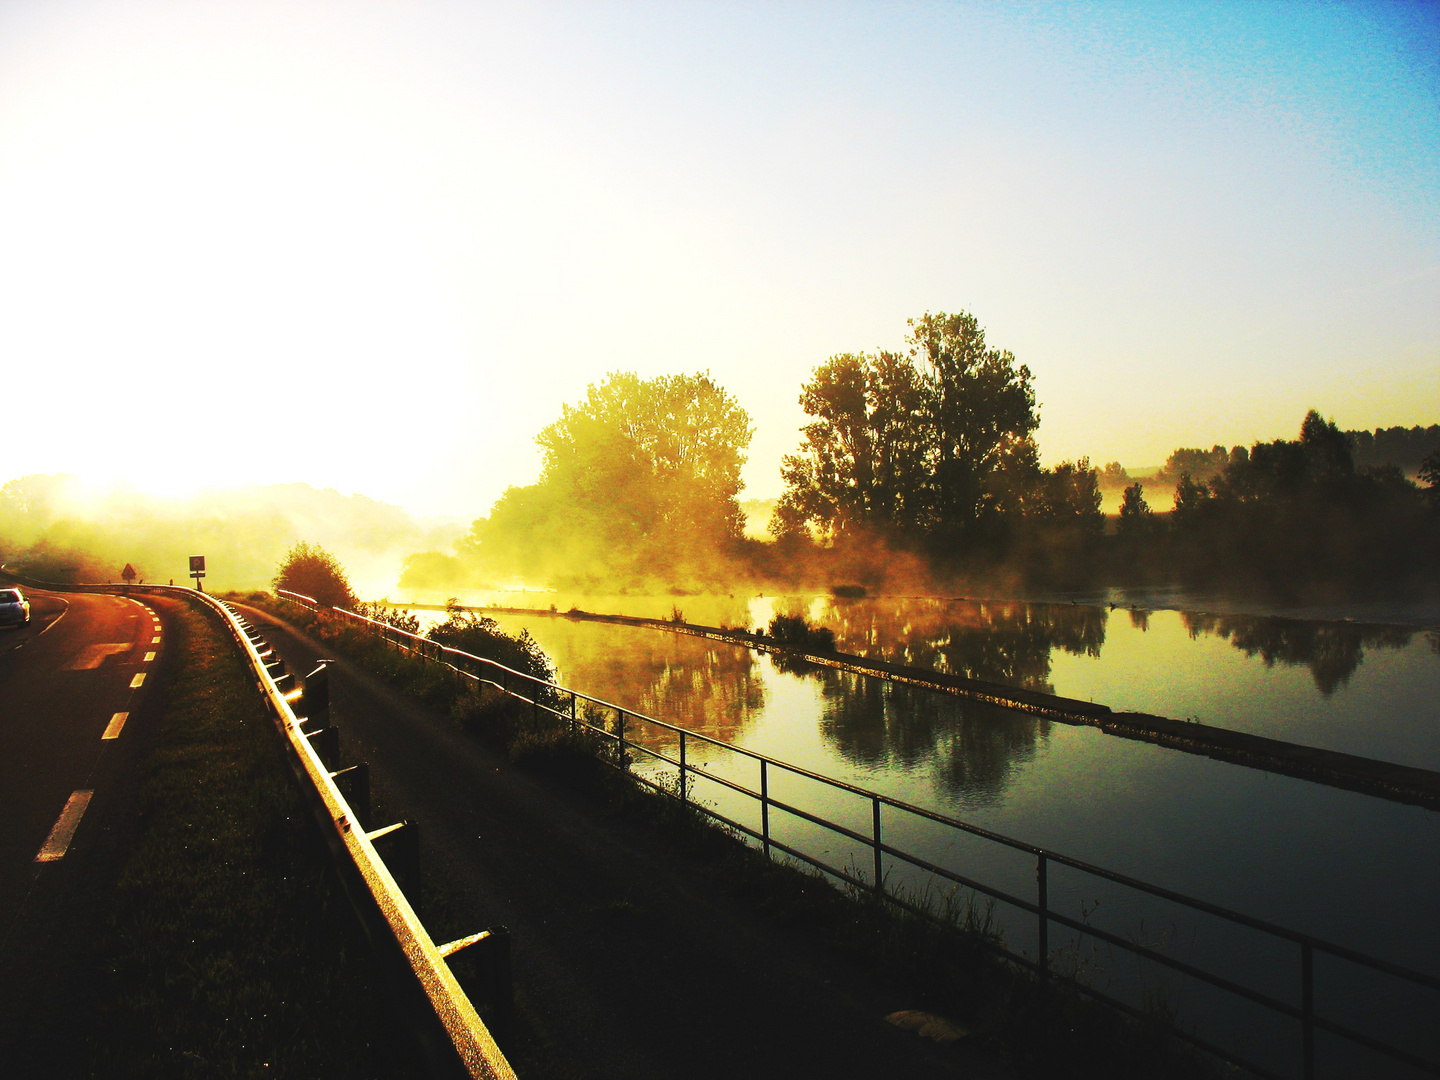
(128, 574)
(197, 570)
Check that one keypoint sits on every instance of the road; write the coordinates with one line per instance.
(628, 963)
(73, 688)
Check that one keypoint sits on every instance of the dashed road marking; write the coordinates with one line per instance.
(148, 657)
(112, 729)
(94, 655)
(155, 640)
(137, 681)
(58, 842)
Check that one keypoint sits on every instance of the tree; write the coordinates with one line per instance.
(1114, 476)
(310, 570)
(1136, 518)
(935, 441)
(1190, 500)
(1199, 464)
(982, 415)
(640, 478)
(863, 462)
(1430, 473)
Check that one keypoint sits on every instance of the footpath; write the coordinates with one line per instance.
(630, 958)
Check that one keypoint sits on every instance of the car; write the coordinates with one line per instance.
(14, 608)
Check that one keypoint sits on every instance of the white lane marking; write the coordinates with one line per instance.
(137, 681)
(58, 842)
(112, 729)
(57, 617)
(148, 657)
(155, 640)
(94, 655)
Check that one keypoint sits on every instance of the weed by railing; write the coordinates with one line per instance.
(564, 705)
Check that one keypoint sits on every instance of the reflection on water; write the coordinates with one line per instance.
(701, 685)
(1332, 651)
(1360, 689)
(1010, 642)
(973, 749)
(996, 641)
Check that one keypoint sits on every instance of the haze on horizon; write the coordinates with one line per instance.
(380, 245)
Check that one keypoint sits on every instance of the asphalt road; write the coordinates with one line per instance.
(627, 963)
(73, 687)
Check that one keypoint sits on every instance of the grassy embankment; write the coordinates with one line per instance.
(1041, 1029)
(229, 949)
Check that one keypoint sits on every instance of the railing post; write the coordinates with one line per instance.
(879, 877)
(572, 709)
(1307, 1009)
(620, 733)
(682, 765)
(765, 806)
(1042, 901)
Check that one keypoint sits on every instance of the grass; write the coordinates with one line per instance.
(1039, 1028)
(230, 950)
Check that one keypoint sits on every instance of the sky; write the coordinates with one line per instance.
(376, 246)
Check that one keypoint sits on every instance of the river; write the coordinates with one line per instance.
(1351, 868)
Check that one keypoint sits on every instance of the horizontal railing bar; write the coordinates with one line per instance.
(1179, 965)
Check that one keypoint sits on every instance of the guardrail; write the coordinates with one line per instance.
(475, 1051)
(563, 704)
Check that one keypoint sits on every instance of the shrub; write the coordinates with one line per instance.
(312, 571)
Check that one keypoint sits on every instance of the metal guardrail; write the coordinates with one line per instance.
(562, 703)
(474, 1047)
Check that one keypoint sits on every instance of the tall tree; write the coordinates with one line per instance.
(641, 476)
(982, 416)
(864, 457)
(934, 441)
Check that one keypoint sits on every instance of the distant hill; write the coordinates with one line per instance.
(51, 523)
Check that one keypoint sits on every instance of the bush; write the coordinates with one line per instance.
(310, 570)
(482, 636)
(796, 630)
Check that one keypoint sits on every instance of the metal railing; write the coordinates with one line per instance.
(563, 704)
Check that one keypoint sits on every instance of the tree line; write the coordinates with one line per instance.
(925, 459)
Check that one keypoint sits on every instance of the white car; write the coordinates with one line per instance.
(14, 608)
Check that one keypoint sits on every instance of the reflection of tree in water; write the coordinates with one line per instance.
(693, 683)
(1007, 643)
(1332, 651)
(976, 748)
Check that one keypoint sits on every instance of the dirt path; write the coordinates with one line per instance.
(629, 960)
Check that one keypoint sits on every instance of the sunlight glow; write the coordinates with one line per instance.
(381, 244)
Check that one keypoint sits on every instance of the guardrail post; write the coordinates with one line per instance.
(354, 784)
(1307, 1009)
(315, 698)
(875, 815)
(765, 806)
(400, 849)
(682, 766)
(1042, 902)
(326, 742)
(483, 968)
(572, 709)
(620, 733)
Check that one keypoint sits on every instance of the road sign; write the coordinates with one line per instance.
(128, 573)
(197, 564)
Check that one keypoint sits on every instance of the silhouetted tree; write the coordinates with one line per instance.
(312, 571)
(1137, 520)
(936, 442)
(865, 453)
